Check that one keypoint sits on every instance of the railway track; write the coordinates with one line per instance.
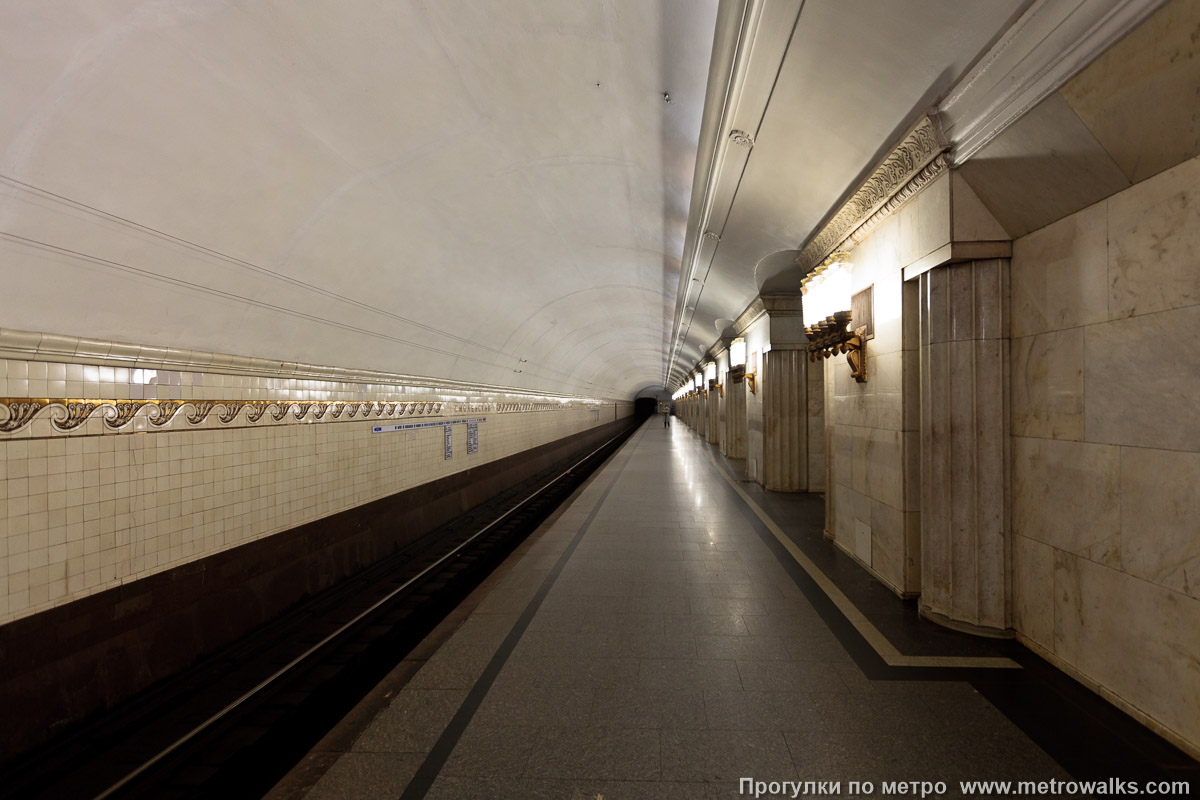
(235, 722)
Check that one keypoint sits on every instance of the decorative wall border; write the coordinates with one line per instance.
(70, 415)
(912, 164)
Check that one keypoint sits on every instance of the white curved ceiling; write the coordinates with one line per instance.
(490, 192)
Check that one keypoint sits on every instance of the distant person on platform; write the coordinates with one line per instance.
(666, 414)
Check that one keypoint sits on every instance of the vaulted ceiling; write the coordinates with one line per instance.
(490, 192)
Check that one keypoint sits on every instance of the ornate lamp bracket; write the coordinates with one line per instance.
(830, 336)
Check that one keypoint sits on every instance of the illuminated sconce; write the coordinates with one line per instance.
(710, 375)
(698, 382)
(827, 315)
(737, 365)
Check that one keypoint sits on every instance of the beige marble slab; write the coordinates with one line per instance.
(912, 551)
(1142, 381)
(1045, 166)
(886, 372)
(1059, 274)
(1135, 97)
(970, 219)
(887, 542)
(933, 215)
(1047, 385)
(912, 470)
(879, 465)
(1138, 640)
(1154, 243)
(1067, 495)
(1033, 590)
(907, 218)
(1160, 517)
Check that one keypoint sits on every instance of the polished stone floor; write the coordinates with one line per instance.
(653, 642)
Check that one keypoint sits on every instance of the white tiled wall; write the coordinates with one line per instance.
(86, 511)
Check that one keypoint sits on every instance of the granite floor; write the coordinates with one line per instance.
(652, 643)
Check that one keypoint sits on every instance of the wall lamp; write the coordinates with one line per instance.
(737, 365)
(710, 377)
(827, 316)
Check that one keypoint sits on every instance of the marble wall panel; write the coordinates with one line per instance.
(886, 372)
(816, 454)
(1142, 378)
(912, 552)
(1043, 167)
(887, 543)
(1033, 590)
(991, 301)
(843, 452)
(874, 410)
(881, 465)
(909, 233)
(934, 307)
(1047, 385)
(1154, 243)
(1120, 96)
(970, 219)
(1160, 517)
(910, 399)
(1067, 495)
(816, 391)
(933, 215)
(846, 500)
(912, 470)
(860, 441)
(1138, 640)
(1059, 274)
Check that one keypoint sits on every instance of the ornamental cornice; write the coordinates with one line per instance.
(748, 317)
(911, 165)
(782, 305)
(69, 415)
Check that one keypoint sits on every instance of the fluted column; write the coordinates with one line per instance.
(785, 420)
(965, 537)
(713, 429)
(733, 443)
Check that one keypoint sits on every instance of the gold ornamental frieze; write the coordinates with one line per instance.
(67, 415)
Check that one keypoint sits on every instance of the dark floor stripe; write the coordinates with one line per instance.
(1085, 734)
(419, 786)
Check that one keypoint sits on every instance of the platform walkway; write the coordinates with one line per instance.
(658, 640)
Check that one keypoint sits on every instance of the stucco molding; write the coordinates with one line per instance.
(749, 316)
(782, 305)
(910, 166)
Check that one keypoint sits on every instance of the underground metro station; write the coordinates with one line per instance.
(599, 399)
